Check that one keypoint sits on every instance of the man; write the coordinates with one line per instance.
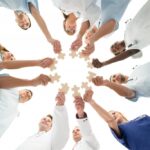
(53, 131)
(30, 6)
(136, 37)
(82, 135)
(135, 85)
(9, 100)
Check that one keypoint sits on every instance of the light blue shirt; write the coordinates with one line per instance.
(112, 9)
(18, 4)
(9, 99)
(139, 81)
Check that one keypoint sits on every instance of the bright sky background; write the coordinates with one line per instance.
(31, 44)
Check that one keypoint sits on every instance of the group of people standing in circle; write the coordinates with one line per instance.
(100, 18)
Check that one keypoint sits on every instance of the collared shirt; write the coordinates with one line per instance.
(88, 140)
(18, 4)
(138, 29)
(139, 81)
(9, 99)
(135, 133)
(55, 139)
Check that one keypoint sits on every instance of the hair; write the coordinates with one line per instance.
(50, 116)
(3, 49)
(64, 22)
(30, 92)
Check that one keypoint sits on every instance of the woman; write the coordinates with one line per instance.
(7, 61)
(133, 134)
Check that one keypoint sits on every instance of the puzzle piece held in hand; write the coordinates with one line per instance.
(61, 55)
(73, 54)
(86, 58)
(90, 76)
(53, 67)
(85, 86)
(54, 78)
(89, 65)
(64, 88)
(75, 90)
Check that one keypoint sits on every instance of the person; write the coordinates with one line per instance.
(135, 38)
(7, 61)
(53, 130)
(83, 135)
(9, 100)
(111, 13)
(132, 134)
(136, 85)
(31, 7)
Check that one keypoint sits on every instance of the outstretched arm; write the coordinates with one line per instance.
(118, 88)
(96, 63)
(35, 13)
(101, 111)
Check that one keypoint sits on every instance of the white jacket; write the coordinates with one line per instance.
(55, 139)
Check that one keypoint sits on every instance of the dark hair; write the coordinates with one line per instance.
(50, 116)
(64, 22)
(3, 49)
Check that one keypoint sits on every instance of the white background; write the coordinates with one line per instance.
(31, 44)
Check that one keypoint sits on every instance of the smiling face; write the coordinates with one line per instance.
(23, 20)
(45, 123)
(76, 134)
(118, 78)
(7, 56)
(24, 95)
(118, 48)
(119, 118)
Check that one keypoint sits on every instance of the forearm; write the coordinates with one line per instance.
(18, 64)
(35, 13)
(121, 56)
(105, 29)
(120, 89)
(11, 82)
(84, 27)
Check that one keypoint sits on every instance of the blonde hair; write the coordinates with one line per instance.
(3, 49)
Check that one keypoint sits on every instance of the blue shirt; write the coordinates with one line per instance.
(135, 133)
(18, 4)
(112, 9)
(139, 81)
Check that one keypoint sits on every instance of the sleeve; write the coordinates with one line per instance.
(60, 128)
(34, 2)
(119, 139)
(87, 133)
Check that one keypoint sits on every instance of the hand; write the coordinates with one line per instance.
(60, 98)
(89, 49)
(41, 80)
(79, 105)
(88, 95)
(76, 44)
(98, 81)
(46, 62)
(96, 63)
(56, 45)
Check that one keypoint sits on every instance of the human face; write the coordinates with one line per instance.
(76, 134)
(70, 24)
(45, 124)
(118, 47)
(24, 95)
(119, 118)
(23, 20)
(7, 56)
(118, 78)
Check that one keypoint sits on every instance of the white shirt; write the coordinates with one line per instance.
(138, 30)
(87, 9)
(55, 139)
(88, 140)
(9, 99)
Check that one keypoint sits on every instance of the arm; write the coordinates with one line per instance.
(96, 63)
(11, 82)
(60, 128)
(15, 64)
(118, 88)
(101, 111)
